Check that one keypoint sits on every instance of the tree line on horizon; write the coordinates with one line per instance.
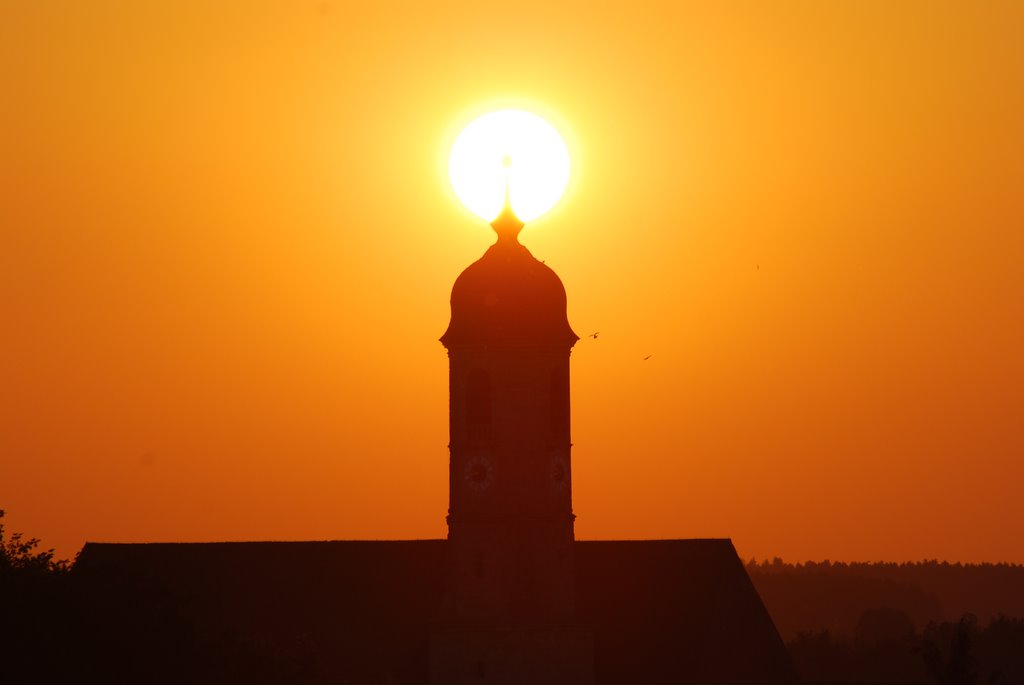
(833, 596)
(910, 622)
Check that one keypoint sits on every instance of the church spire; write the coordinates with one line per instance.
(507, 225)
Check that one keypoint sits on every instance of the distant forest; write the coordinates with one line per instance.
(919, 622)
(833, 596)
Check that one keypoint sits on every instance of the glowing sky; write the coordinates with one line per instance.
(227, 241)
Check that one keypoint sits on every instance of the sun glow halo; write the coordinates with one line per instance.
(509, 146)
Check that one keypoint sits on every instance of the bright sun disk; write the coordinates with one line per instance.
(512, 147)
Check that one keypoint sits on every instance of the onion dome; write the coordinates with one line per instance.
(508, 298)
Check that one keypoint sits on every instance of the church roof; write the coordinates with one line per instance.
(362, 611)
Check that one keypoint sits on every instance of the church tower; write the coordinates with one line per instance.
(510, 617)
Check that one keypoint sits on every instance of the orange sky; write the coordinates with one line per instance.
(227, 246)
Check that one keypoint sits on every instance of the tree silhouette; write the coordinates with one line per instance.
(960, 666)
(34, 601)
(19, 555)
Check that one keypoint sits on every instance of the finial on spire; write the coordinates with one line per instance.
(507, 225)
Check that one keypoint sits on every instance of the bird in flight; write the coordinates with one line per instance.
(594, 335)
(648, 357)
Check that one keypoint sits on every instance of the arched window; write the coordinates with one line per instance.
(478, 406)
(478, 564)
(558, 398)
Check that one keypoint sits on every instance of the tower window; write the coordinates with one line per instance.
(558, 398)
(478, 406)
(478, 564)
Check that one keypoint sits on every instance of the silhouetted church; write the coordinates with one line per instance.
(510, 597)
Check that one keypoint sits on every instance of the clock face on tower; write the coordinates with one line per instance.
(558, 471)
(479, 471)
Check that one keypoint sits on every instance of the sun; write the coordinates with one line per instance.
(513, 149)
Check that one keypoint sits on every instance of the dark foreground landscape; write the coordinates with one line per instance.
(928, 622)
